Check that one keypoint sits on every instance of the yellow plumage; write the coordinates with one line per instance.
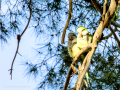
(84, 37)
(72, 45)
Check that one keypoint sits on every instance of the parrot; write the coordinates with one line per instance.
(83, 39)
(74, 49)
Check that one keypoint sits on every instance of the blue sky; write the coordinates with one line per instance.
(7, 51)
(19, 81)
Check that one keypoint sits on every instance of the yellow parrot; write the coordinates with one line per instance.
(84, 37)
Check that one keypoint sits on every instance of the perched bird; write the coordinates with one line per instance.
(84, 37)
(74, 49)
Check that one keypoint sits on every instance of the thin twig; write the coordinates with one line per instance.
(115, 24)
(97, 6)
(109, 35)
(19, 38)
(116, 38)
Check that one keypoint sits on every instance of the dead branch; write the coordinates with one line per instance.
(19, 38)
(68, 20)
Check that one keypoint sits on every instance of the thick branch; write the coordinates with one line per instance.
(68, 20)
(119, 2)
(19, 38)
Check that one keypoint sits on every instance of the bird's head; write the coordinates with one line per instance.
(72, 36)
(81, 30)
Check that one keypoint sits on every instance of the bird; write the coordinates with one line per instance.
(83, 39)
(73, 49)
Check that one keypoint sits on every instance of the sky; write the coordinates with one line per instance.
(19, 80)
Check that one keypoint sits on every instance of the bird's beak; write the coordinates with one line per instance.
(81, 34)
(70, 37)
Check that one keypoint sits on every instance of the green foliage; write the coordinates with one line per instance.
(4, 33)
(32, 70)
(105, 72)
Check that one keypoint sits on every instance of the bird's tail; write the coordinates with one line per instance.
(87, 77)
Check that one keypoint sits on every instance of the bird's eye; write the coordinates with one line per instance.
(83, 29)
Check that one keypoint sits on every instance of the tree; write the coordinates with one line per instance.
(48, 20)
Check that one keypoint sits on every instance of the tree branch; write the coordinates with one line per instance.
(68, 20)
(115, 24)
(96, 38)
(108, 35)
(19, 38)
(97, 6)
